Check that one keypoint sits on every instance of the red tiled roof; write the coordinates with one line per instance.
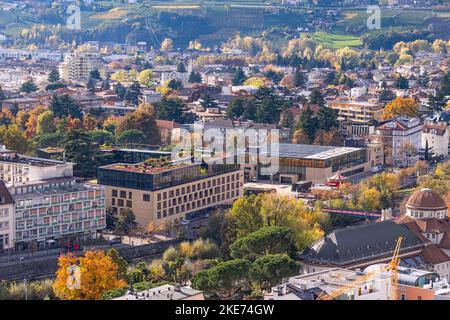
(433, 254)
(166, 124)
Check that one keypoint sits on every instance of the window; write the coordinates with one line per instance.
(120, 203)
(114, 193)
(403, 297)
(146, 197)
(130, 195)
(129, 204)
(123, 194)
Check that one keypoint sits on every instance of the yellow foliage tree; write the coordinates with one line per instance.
(400, 107)
(86, 277)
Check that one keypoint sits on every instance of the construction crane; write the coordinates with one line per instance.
(392, 266)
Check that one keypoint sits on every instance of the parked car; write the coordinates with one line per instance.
(185, 222)
(115, 240)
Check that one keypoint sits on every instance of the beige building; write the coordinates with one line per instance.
(355, 116)
(78, 66)
(170, 191)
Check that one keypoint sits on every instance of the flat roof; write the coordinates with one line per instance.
(164, 292)
(305, 151)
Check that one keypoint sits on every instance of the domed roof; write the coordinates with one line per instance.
(426, 199)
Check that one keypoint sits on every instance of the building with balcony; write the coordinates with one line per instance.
(78, 66)
(355, 117)
(401, 140)
(158, 191)
(44, 204)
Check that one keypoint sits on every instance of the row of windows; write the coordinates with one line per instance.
(64, 229)
(196, 195)
(121, 203)
(123, 195)
(196, 204)
(199, 186)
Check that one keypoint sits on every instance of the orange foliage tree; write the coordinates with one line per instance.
(400, 107)
(86, 277)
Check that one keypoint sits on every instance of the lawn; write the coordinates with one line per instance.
(337, 41)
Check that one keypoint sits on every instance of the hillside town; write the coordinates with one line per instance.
(248, 170)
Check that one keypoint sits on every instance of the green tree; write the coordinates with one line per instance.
(14, 108)
(401, 83)
(195, 77)
(299, 77)
(120, 90)
(208, 102)
(53, 76)
(29, 86)
(46, 122)
(63, 106)
(244, 216)
(239, 77)
(316, 97)
(224, 280)
(174, 84)
(100, 136)
(236, 108)
(267, 240)
(180, 67)
(95, 74)
(269, 270)
(327, 118)
(308, 123)
(132, 136)
(133, 93)
(13, 138)
(80, 150)
(126, 223)
(122, 264)
(171, 109)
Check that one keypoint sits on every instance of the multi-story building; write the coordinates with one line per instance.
(437, 138)
(78, 66)
(158, 192)
(313, 163)
(45, 204)
(401, 140)
(355, 117)
(6, 218)
(321, 283)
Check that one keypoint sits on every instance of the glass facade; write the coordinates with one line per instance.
(163, 179)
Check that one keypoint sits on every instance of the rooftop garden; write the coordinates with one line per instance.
(151, 165)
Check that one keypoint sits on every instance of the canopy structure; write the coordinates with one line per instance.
(336, 180)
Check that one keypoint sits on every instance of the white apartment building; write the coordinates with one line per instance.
(437, 137)
(401, 139)
(78, 66)
(41, 203)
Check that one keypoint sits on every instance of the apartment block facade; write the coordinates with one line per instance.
(78, 66)
(355, 117)
(42, 203)
(173, 192)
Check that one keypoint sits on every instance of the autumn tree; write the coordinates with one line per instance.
(400, 107)
(142, 119)
(86, 277)
(167, 45)
(46, 122)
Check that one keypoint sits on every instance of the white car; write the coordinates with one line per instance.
(185, 222)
